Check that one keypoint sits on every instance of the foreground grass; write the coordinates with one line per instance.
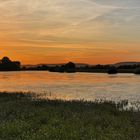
(22, 118)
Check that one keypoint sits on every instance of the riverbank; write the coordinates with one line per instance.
(24, 118)
(131, 71)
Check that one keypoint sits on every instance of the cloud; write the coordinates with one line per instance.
(66, 21)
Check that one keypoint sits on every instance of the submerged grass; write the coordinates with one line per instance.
(22, 118)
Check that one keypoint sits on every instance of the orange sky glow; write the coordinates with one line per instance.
(58, 31)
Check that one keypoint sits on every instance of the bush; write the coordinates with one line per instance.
(137, 71)
(112, 70)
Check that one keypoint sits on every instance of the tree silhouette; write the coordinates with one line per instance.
(70, 67)
(5, 60)
(8, 65)
(112, 70)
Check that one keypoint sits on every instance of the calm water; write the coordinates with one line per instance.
(88, 86)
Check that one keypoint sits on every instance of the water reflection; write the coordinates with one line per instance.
(87, 86)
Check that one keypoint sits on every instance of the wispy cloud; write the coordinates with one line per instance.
(69, 22)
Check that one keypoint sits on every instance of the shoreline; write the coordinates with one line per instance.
(24, 118)
(105, 72)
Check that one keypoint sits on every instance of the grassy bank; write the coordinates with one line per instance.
(22, 118)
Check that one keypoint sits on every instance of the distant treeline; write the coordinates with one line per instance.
(7, 65)
(72, 67)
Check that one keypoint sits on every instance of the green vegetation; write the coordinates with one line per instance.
(24, 118)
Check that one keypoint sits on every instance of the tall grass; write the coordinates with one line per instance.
(24, 118)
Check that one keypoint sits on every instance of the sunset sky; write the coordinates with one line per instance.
(57, 31)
